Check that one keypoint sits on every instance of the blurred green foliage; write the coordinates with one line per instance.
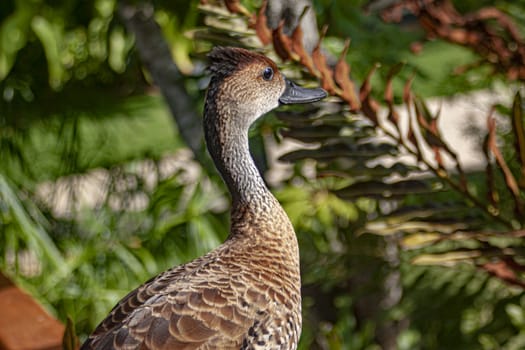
(76, 104)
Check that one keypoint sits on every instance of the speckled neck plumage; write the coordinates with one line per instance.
(227, 143)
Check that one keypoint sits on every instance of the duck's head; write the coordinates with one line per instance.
(251, 84)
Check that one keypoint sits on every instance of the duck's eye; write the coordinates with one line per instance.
(267, 73)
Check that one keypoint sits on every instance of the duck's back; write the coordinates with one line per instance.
(232, 298)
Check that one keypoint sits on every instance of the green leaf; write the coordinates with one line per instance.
(50, 37)
(383, 228)
(379, 189)
(516, 315)
(446, 259)
(119, 48)
(29, 230)
(313, 133)
(418, 240)
(362, 170)
(70, 340)
(342, 150)
(13, 37)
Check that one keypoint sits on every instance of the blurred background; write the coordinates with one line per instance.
(406, 187)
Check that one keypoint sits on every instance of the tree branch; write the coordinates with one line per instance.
(156, 57)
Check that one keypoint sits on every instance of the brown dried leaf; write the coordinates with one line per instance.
(366, 87)
(369, 106)
(489, 31)
(503, 270)
(416, 47)
(492, 193)
(431, 134)
(509, 177)
(304, 57)
(437, 149)
(261, 27)
(428, 125)
(281, 43)
(504, 20)
(411, 135)
(235, 6)
(519, 134)
(342, 78)
(407, 91)
(393, 116)
(389, 92)
(327, 80)
(423, 114)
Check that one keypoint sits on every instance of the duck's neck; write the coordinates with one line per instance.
(253, 205)
(227, 143)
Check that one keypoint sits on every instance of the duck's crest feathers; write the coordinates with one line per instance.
(224, 61)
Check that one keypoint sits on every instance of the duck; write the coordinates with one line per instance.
(244, 294)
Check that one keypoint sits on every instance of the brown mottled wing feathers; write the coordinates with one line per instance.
(201, 313)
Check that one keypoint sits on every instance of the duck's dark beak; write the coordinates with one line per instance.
(297, 94)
